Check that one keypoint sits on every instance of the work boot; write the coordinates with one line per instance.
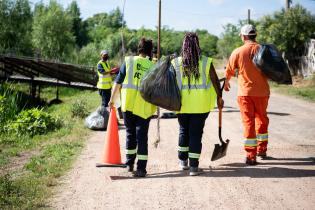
(183, 164)
(251, 161)
(130, 168)
(195, 171)
(140, 173)
(262, 155)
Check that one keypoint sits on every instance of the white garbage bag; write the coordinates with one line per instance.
(98, 119)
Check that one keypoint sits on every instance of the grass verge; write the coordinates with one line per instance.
(30, 166)
(301, 88)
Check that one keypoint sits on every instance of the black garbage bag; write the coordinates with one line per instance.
(269, 60)
(159, 86)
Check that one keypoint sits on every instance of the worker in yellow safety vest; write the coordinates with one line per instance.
(136, 111)
(200, 90)
(104, 83)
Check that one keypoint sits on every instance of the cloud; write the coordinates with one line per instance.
(216, 2)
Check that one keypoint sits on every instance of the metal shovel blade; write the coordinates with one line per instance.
(220, 150)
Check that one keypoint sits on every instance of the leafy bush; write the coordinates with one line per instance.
(32, 122)
(2, 112)
(10, 100)
(78, 109)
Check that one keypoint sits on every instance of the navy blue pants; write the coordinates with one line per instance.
(136, 139)
(105, 94)
(190, 135)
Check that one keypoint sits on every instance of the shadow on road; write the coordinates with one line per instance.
(271, 113)
(242, 170)
(253, 172)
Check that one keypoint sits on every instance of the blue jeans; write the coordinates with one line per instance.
(105, 94)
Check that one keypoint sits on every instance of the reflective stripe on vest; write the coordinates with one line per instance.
(194, 155)
(250, 142)
(130, 84)
(262, 137)
(201, 96)
(142, 157)
(131, 99)
(104, 81)
(204, 77)
(183, 149)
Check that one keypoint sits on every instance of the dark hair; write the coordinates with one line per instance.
(145, 46)
(252, 37)
(191, 54)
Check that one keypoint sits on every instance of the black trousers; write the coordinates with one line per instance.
(190, 135)
(105, 94)
(136, 139)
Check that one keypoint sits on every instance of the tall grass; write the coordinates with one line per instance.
(10, 103)
(45, 157)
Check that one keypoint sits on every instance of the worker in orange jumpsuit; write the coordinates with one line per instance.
(253, 94)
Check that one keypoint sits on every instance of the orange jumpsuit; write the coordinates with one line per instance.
(253, 96)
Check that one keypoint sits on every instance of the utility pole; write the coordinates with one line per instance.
(248, 16)
(159, 33)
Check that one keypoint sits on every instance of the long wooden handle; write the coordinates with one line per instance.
(220, 109)
(220, 117)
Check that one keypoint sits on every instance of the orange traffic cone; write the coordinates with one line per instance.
(111, 156)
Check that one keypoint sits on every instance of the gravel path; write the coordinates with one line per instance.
(285, 181)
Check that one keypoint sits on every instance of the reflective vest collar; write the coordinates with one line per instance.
(130, 85)
(105, 65)
(203, 75)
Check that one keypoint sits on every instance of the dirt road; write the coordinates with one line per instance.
(285, 181)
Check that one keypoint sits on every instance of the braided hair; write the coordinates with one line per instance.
(191, 54)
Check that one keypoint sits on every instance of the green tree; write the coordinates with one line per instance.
(15, 26)
(101, 25)
(207, 42)
(52, 31)
(78, 26)
(89, 55)
(288, 30)
(229, 41)
(171, 41)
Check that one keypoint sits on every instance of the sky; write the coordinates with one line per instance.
(190, 15)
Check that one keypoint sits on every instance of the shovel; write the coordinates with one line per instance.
(220, 149)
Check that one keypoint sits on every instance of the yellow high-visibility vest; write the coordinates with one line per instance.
(104, 81)
(201, 97)
(131, 99)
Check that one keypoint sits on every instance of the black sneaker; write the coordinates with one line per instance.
(139, 173)
(130, 168)
(195, 171)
